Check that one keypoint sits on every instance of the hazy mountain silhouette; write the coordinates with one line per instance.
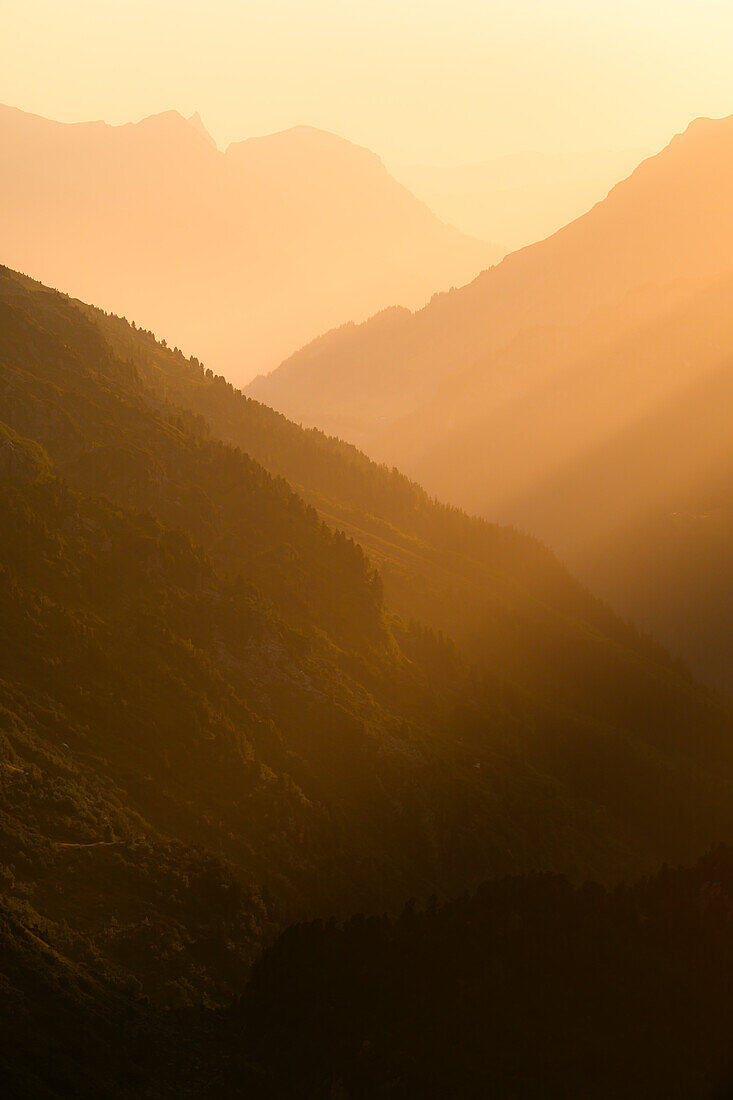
(578, 389)
(241, 256)
(521, 197)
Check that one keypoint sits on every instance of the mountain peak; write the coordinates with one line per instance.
(299, 142)
(703, 130)
(329, 234)
(705, 124)
(163, 125)
(196, 121)
(162, 118)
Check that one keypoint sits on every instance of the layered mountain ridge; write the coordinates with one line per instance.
(543, 393)
(222, 252)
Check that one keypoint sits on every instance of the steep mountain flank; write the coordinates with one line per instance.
(578, 390)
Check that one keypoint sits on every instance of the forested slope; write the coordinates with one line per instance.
(214, 720)
(500, 594)
(527, 987)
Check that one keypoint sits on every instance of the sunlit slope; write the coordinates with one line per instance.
(241, 256)
(580, 390)
(620, 458)
(672, 219)
(500, 594)
(645, 511)
(512, 609)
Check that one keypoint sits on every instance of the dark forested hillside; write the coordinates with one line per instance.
(527, 987)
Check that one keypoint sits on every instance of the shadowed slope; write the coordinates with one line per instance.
(528, 986)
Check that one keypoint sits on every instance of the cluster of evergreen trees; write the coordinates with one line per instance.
(526, 987)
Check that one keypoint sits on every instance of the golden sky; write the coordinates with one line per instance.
(436, 81)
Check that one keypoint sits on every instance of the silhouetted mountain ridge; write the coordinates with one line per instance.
(242, 256)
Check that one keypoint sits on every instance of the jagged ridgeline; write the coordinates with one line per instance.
(227, 704)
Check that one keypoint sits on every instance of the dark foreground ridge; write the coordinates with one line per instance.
(527, 987)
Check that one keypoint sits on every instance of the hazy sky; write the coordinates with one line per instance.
(437, 81)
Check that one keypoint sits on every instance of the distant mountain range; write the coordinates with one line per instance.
(241, 256)
(519, 198)
(581, 389)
